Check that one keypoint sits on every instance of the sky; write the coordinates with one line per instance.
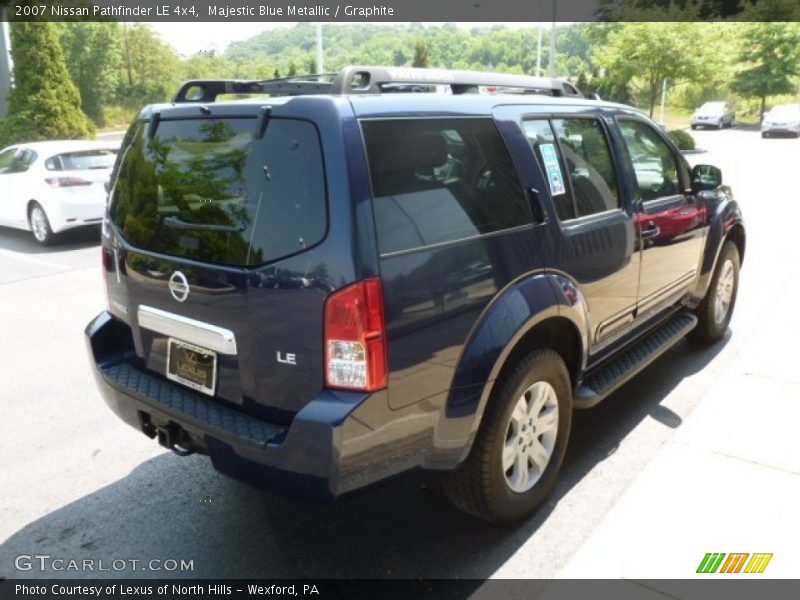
(190, 38)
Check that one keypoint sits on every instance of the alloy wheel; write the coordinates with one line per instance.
(724, 291)
(39, 223)
(530, 436)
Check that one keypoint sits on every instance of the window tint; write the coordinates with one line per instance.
(79, 161)
(654, 163)
(584, 156)
(440, 180)
(543, 142)
(590, 168)
(208, 190)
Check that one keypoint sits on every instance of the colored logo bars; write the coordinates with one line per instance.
(713, 563)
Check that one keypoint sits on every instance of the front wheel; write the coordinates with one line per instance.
(715, 311)
(520, 443)
(40, 225)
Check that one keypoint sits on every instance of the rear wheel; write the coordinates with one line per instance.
(520, 444)
(40, 225)
(715, 311)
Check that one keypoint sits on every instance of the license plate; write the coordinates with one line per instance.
(192, 366)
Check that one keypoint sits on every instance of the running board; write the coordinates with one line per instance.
(605, 379)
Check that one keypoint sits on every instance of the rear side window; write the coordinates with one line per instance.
(81, 161)
(585, 156)
(207, 189)
(440, 180)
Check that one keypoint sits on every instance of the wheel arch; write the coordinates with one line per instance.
(726, 224)
(542, 311)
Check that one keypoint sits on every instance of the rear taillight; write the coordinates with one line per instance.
(60, 182)
(355, 339)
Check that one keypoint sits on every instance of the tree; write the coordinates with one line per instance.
(93, 51)
(150, 67)
(44, 102)
(770, 53)
(645, 54)
(420, 54)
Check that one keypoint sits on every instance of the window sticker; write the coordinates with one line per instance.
(554, 177)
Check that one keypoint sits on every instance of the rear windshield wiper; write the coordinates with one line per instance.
(180, 224)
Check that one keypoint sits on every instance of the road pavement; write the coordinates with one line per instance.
(77, 483)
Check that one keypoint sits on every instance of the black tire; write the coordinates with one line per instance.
(712, 324)
(479, 485)
(764, 135)
(40, 225)
(694, 127)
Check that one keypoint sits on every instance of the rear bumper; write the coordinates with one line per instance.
(70, 210)
(309, 459)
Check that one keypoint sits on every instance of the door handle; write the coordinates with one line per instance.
(650, 231)
(535, 201)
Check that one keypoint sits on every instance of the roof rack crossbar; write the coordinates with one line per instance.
(374, 80)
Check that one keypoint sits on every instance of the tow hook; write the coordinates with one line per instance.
(170, 437)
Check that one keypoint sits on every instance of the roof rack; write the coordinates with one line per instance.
(376, 80)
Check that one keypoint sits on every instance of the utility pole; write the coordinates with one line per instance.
(553, 44)
(5, 62)
(320, 57)
(539, 53)
(663, 101)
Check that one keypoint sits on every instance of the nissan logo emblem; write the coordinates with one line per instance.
(179, 286)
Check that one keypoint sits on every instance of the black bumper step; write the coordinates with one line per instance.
(190, 408)
(609, 376)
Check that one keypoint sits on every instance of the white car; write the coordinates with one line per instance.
(48, 187)
(783, 119)
(714, 114)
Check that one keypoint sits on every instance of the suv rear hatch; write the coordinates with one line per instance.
(217, 220)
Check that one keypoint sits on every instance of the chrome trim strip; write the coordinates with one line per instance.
(185, 329)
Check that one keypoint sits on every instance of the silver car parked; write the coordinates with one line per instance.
(714, 114)
(783, 119)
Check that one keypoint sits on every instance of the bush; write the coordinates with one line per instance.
(682, 139)
(44, 103)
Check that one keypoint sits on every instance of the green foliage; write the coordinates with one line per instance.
(682, 139)
(44, 103)
(149, 67)
(93, 52)
(645, 54)
(770, 59)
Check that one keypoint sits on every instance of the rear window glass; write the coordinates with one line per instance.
(82, 161)
(207, 189)
(440, 180)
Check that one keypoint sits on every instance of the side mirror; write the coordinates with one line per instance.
(706, 178)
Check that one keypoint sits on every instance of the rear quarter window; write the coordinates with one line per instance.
(440, 180)
(207, 189)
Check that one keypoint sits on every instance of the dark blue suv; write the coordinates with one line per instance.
(335, 280)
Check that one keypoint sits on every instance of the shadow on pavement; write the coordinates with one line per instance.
(179, 508)
(18, 240)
